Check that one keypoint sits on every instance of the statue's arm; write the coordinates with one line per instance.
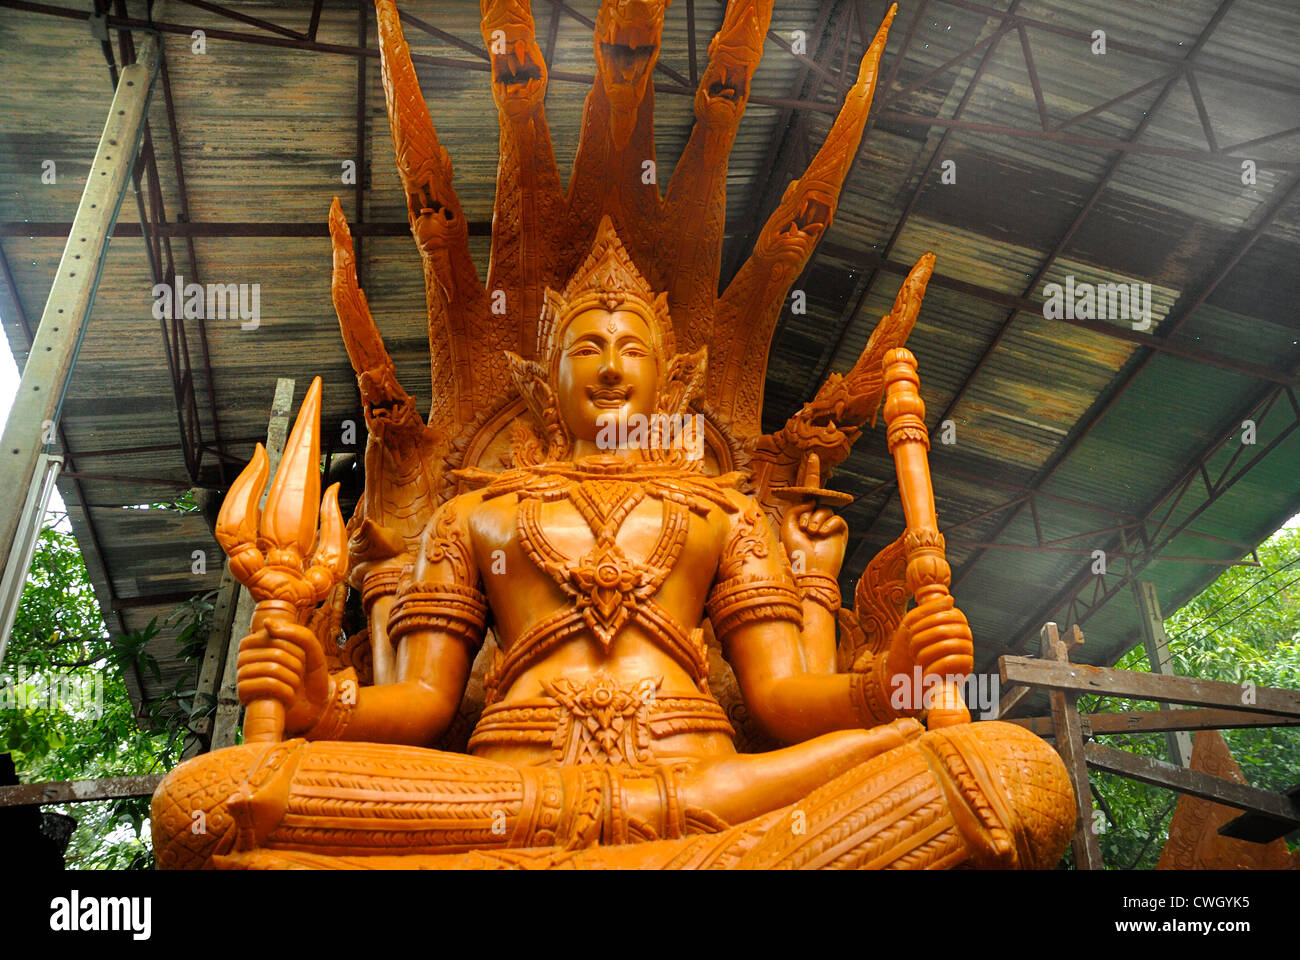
(758, 615)
(437, 625)
(814, 539)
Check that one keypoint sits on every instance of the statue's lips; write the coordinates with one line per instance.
(609, 397)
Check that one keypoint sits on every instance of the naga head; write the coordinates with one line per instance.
(606, 349)
(627, 47)
(734, 52)
(798, 222)
(518, 68)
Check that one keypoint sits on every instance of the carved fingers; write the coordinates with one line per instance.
(939, 637)
(815, 538)
(283, 661)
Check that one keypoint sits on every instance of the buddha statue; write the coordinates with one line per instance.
(597, 559)
(603, 619)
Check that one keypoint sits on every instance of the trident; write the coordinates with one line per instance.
(268, 547)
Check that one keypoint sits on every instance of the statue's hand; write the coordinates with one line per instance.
(817, 535)
(283, 661)
(935, 636)
(939, 638)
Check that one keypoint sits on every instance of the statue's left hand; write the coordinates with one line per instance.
(818, 535)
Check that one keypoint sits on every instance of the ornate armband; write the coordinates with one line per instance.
(740, 600)
(382, 582)
(820, 589)
(445, 607)
(344, 691)
(869, 688)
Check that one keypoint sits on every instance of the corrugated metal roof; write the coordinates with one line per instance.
(1088, 418)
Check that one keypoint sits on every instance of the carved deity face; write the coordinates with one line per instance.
(606, 368)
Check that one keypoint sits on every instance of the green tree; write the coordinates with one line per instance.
(1243, 627)
(66, 714)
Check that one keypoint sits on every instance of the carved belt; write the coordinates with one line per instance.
(599, 722)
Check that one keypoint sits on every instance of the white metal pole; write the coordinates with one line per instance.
(49, 365)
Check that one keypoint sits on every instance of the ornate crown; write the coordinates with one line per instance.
(606, 280)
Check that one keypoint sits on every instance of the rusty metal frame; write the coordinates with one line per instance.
(682, 88)
(152, 211)
(1168, 329)
(863, 285)
(1079, 608)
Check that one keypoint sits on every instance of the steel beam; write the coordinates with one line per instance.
(244, 18)
(1225, 433)
(1156, 642)
(44, 384)
(1145, 53)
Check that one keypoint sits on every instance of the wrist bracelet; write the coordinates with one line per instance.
(344, 692)
(820, 589)
(869, 691)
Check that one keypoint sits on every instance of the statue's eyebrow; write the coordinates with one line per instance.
(636, 338)
(593, 337)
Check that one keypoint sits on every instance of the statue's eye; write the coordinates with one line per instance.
(635, 351)
(583, 350)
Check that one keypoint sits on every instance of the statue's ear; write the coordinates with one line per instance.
(683, 382)
(530, 378)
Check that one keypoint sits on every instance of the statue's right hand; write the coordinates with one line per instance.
(283, 661)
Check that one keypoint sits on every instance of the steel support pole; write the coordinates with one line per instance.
(1157, 647)
(67, 310)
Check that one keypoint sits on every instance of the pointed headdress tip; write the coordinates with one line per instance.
(608, 279)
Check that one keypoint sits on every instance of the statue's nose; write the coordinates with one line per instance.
(611, 370)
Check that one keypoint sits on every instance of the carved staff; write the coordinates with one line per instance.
(284, 584)
(928, 574)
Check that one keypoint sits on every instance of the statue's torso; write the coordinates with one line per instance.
(597, 586)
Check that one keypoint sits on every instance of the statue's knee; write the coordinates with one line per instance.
(191, 814)
(1009, 791)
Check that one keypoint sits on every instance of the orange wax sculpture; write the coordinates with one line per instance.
(593, 652)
